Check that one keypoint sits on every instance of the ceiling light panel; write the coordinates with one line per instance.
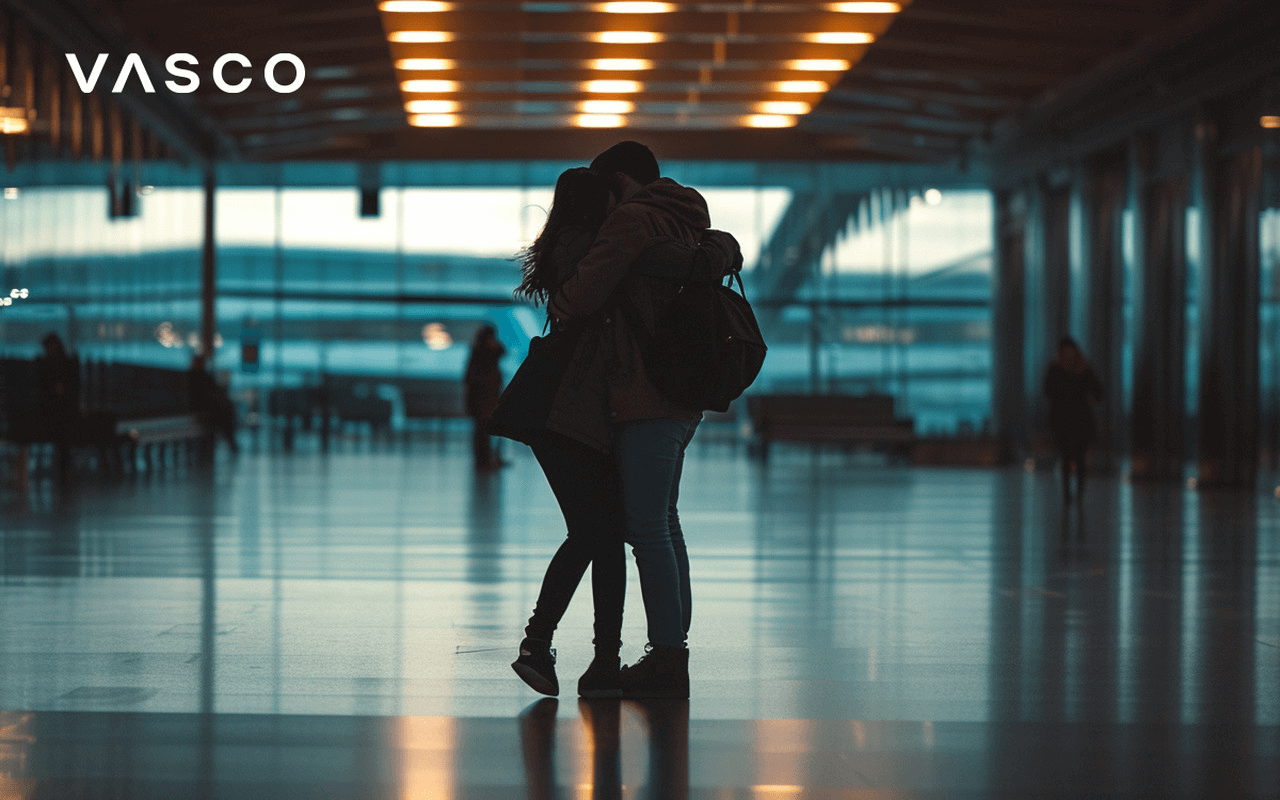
(413, 7)
(634, 64)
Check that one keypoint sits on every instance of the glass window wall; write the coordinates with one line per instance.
(898, 303)
(900, 306)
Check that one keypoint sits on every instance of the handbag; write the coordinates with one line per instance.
(525, 403)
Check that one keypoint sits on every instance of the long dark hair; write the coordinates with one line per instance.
(581, 198)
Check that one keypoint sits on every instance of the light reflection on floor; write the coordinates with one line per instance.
(296, 625)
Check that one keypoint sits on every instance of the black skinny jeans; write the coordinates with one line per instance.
(584, 482)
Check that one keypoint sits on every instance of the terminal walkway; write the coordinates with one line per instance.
(340, 625)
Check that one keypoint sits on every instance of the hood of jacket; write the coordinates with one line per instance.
(681, 202)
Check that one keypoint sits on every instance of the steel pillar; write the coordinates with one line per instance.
(1229, 369)
(1008, 321)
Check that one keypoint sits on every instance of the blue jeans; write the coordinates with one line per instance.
(650, 457)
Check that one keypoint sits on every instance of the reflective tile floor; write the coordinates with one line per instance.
(340, 625)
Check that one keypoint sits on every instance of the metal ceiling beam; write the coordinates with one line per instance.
(960, 68)
(964, 104)
(894, 123)
(1214, 52)
(926, 76)
(923, 108)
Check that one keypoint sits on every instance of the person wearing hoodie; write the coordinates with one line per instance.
(649, 433)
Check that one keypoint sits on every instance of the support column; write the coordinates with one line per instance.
(209, 272)
(1008, 323)
(1159, 390)
(1229, 377)
(1048, 299)
(1102, 337)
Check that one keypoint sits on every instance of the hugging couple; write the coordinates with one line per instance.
(617, 241)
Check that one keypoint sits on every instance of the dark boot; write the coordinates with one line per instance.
(601, 678)
(536, 666)
(663, 672)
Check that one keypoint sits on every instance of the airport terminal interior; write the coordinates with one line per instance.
(254, 551)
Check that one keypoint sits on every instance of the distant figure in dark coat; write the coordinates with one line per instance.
(483, 387)
(1069, 383)
(212, 405)
(58, 390)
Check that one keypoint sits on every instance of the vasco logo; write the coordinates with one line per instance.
(189, 81)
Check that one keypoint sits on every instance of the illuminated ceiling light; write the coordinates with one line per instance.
(606, 106)
(414, 6)
(620, 64)
(627, 37)
(434, 120)
(11, 193)
(866, 8)
(431, 106)
(426, 63)
(429, 86)
(1269, 122)
(794, 107)
(800, 87)
(841, 37)
(613, 87)
(14, 120)
(419, 37)
(635, 8)
(932, 197)
(599, 120)
(819, 64)
(768, 121)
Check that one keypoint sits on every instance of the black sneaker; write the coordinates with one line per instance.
(662, 672)
(601, 678)
(536, 666)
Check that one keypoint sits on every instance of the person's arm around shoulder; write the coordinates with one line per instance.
(621, 240)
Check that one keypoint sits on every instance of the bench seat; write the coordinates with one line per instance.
(842, 419)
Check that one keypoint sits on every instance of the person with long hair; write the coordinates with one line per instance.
(573, 451)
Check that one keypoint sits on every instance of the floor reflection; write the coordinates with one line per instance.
(856, 627)
(666, 723)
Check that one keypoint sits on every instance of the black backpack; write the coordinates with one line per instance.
(706, 347)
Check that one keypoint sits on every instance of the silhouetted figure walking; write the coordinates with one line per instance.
(58, 390)
(483, 387)
(212, 406)
(1069, 383)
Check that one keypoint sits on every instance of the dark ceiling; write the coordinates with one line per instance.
(937, 86)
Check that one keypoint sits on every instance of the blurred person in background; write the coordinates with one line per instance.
(212, 406)
(483, 381)
(1070, 383)
(58, 393)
